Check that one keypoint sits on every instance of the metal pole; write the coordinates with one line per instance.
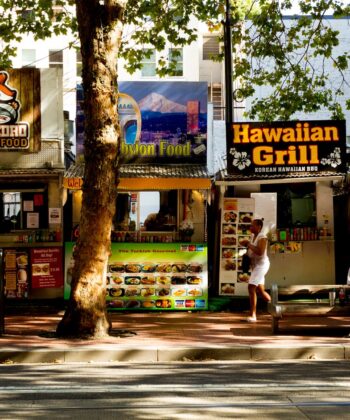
(228, 64)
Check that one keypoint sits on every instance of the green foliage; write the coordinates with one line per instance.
(289, 57)
(37, 17)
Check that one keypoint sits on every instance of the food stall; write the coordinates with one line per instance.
(159, 253)
(31, 197)
(285, 173)
(154, 266)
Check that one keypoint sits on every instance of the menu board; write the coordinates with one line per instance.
(158, 276)
(46, 267)
(237, 216)
(16, 273)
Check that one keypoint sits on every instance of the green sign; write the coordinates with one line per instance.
(152, 276)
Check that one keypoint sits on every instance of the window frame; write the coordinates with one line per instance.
(55, 63)
(209, 48)
(149, 61)
(178, 60)
(32, 61)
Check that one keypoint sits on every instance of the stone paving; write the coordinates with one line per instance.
(154, 336)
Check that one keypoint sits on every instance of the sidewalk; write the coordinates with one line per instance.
(177, 336)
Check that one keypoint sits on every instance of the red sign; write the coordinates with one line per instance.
(46, 266)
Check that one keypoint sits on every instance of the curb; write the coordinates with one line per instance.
(174, 354)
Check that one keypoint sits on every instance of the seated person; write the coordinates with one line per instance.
(156, 221)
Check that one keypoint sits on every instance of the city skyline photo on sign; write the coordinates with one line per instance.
(160, 122)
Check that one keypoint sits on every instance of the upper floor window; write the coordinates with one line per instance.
(55, 58)
(149, 64)
(57, 11)
(176, 60)
(28, 58)
(27, 15)
(211, 47)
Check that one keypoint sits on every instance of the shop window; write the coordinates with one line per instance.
(146, 210)
(176, 61)
(149, 64)
(296, 204)
(20, 210)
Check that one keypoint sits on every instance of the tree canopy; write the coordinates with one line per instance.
(289, 56)
(297, 58)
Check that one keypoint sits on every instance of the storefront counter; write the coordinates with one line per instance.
(306, 262)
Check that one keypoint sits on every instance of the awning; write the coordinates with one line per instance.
(148, 177)
(279, 180)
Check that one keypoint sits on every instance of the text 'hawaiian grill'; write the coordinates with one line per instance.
(302, 132)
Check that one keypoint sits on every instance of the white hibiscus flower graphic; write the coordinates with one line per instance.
(240, 159)
(333, 159)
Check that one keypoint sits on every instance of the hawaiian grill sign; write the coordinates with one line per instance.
(14, 134)
(282, 147)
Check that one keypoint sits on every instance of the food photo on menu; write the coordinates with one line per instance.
(228, 288)
(245, 217)
(229, 265)
(229, 240)
(243, 277)
(229, 229)
(229, 252)
(242, 240)
(244, 229)
(230, 216)
(195, 292)
(116, 292)
(165, 280)
(148, 291)
(230, 204)
(178, 292)
(194, 280)
(148, 280)
(42, 269)
(194, 267)
(113, 279)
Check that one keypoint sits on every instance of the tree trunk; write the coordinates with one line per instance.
(100, 29)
